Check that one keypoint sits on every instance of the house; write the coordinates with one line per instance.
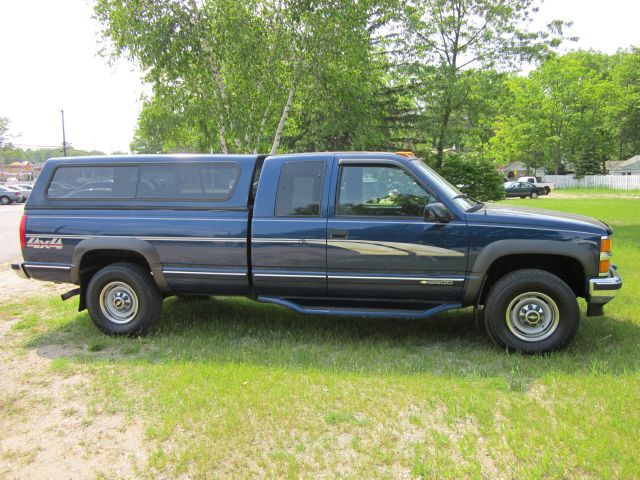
(518, 169)
(628, 167)
(609, 164)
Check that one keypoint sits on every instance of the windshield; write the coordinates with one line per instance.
(452, 193)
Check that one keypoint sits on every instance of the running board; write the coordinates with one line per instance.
(357, 312)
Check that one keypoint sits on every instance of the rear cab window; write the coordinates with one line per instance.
(215, 181)
(93, 182)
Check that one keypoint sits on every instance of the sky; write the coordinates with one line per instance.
(49, 62)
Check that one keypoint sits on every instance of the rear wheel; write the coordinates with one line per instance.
(534, 194)
(122, 299)
(5, 200)
(531, 311)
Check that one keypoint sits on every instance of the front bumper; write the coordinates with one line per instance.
(602, 290)
(19, 270)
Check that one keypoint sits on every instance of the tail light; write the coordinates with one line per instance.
(605, 255)
(23, 231)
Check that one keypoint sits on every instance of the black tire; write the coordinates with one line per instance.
(130, 286)
(5, 200)
(523, 196)
(547, 190)
(534, 194)
(520, 299)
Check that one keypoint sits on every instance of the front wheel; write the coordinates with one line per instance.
(531, 311)
(5, 200)
(122, 299)
(534, 194)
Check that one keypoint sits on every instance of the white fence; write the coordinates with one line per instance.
(622, 182)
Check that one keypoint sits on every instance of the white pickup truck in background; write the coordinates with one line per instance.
(547, 186)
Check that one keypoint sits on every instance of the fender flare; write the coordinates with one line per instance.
(135, 245)
(583, 252)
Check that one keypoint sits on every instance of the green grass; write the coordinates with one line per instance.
(230, 388)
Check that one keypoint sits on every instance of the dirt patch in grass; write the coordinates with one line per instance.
(49, 431)
(15, 289)
(47, 427)
(560, 194)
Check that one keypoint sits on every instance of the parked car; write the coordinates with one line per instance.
(23, 191)
(523, 190)
(350, 234)
(10, 195)
(536, 181)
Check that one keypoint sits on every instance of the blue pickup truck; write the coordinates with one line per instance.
(353, 234)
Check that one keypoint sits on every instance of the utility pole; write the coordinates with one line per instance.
(64, 139)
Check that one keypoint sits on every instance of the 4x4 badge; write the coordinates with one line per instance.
(45, 243)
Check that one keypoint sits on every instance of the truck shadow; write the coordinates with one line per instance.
(236, 330)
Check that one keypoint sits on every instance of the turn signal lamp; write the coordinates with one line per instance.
(605, 255)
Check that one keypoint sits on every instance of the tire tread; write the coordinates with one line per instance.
(562, 293)
(149, 294)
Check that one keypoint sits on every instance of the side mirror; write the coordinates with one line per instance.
(437, 212)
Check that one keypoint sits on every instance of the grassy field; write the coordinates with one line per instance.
(230, 388)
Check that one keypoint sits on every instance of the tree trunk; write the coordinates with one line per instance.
(444, 125)
(283, 119)
(215, 73)
(263, 122)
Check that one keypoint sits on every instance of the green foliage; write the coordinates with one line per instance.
(474, 175)
(4, 132)
(588, 163)
(452, 43)
(228, 75)
(41, 154)
(575, 111)
(431, 76)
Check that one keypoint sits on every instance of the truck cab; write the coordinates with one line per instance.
(351, 234)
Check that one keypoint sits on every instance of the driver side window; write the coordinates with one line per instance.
(380, 190)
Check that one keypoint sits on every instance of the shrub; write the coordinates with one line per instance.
(474, 175)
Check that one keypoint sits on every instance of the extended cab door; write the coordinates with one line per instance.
(289, 227)
(379, 244)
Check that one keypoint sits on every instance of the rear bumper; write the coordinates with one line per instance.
(19, 270)
(602, 290)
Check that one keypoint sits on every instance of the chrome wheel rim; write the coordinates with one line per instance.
(532, 316)
(118, 302)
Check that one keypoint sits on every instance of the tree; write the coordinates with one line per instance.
(226, 73)
(4, 132)
(588, 163)
(568, 112)
(625, 117)
(445, 38)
